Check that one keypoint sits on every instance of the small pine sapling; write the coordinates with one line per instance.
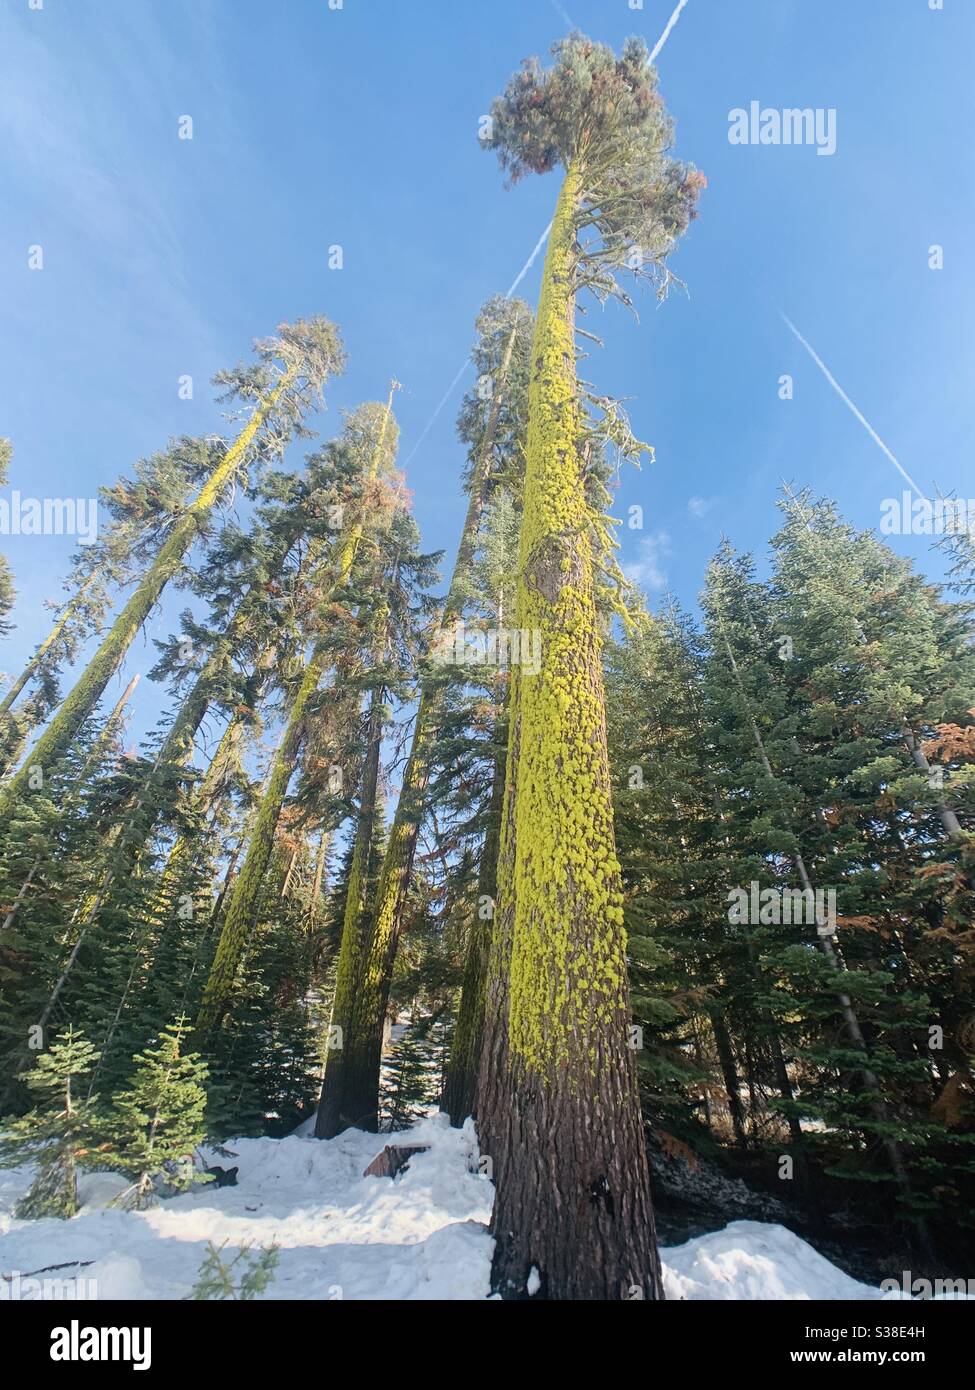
(157, 1122)
(218, 1281)
(57, 1132)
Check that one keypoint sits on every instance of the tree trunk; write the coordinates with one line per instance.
(950, 822)
(239, 918)
(364, 1050)
(314, 901)
(75, 709)
(32, 666)
(242, 904)
(729, 1071)
(563, 1124)
(460, 1089)
(288, 875)
(334, 1113)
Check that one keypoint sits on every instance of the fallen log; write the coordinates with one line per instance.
(393, 1159)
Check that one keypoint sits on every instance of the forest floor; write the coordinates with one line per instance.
(422, 1235)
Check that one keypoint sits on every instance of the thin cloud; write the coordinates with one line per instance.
(647, 570)
(700, 506)
(529, 263)
(80, 152)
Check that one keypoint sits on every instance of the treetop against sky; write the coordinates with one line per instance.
(163, 213)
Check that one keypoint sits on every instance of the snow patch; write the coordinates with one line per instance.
(755, 1260)
(422, 1235)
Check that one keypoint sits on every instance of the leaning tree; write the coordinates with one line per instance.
(282, 387)
(370, 435)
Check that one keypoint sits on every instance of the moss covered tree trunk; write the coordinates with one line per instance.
(363, 1048)
(334, 1114)
(79, 704)
(178, 746)
(243, 900)
(564, 1129)
(363, 1045)
(15, 738)
(242, 904)
(186, 847)
(460, 1089)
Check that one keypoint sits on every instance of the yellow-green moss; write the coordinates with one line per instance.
(243, 899)
(79, 704)
(568, 962)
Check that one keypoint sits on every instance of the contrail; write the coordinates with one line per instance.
(432, 420)
(531, 259)
(463, 366)
(849, 404)
(529, 263)
(560, 11)
(666, 33)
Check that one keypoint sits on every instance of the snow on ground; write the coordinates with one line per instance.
(420, 1236)
(341, 1235)
(755, 1260)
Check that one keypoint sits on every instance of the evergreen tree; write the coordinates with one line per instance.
(293, 369)
(399, 576)
(557, 1072)
(371, 436)
(55, 857)
(221, 1281)
(57, 1132)
(158, 1120)
(138, 509)
(501, 354)
(411, 1074)
(667, 837)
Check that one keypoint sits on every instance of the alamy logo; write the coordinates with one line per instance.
(49, 516)
(77, 1343)
(793, 125)
(928, 1288)
(918, 516)
(456, 646)
(773, 907)
(24, 1288)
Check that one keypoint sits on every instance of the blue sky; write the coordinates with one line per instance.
(358, 126)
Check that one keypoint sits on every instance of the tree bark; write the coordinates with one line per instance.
(334, 1112)
(242, 904)
(460, 1089)
(363, 1058)
(562, 1115)
(729, 1071)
